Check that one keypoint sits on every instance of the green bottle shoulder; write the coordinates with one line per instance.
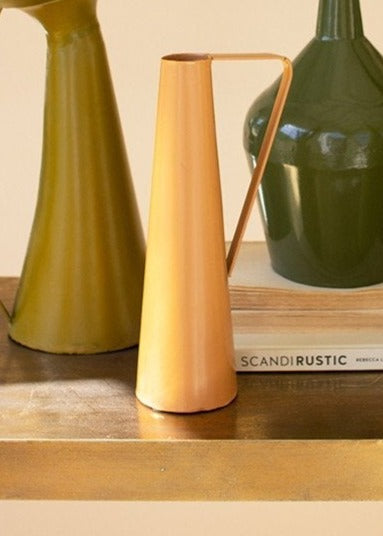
(335, 107)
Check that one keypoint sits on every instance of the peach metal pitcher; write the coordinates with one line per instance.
(186, 351)
(81, 286)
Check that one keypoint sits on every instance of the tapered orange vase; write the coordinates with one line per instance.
(186, 346)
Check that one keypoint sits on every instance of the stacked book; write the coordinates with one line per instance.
(280, 325)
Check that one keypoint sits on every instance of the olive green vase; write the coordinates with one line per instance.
(321, 198)
(81, 286)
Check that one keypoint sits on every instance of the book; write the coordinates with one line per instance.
(254, 285)
(305, 352)
(280, 325)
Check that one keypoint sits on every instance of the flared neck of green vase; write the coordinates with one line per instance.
(339, 19)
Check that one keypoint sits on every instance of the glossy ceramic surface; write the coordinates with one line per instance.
(322, 194)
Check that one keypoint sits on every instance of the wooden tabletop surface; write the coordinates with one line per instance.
(71, 428)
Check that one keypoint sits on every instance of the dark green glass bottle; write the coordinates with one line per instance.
(321, 198)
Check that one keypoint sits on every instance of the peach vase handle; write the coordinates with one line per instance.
(265, 149)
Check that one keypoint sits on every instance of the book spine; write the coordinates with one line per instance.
(308, 359)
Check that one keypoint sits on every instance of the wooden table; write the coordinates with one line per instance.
(71, 428)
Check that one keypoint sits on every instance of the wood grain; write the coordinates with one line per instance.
(202, 470)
